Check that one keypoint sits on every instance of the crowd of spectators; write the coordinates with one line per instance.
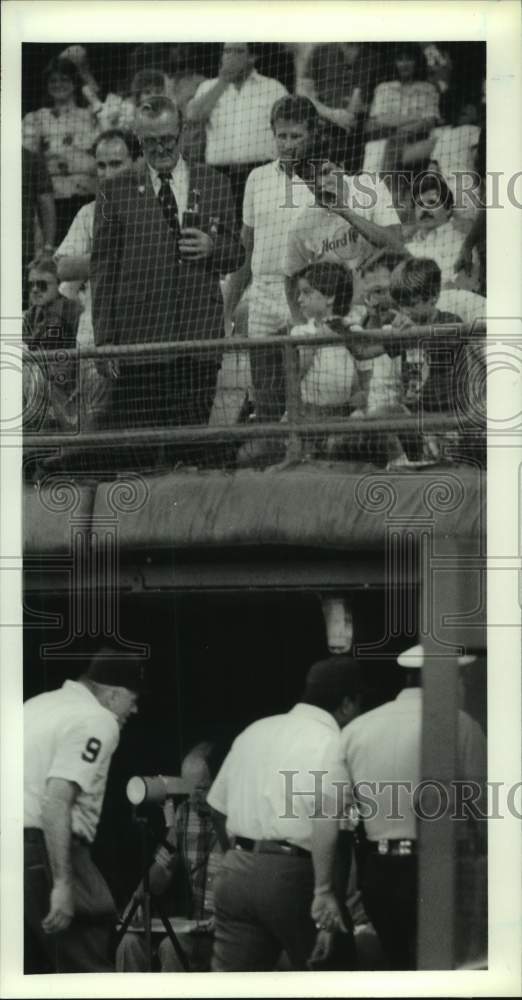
(331, 188)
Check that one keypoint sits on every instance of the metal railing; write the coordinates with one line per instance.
(469, 420)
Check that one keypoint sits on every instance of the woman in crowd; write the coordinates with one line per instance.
(118, 111)
(404, 110)
(337, 79)
(63, 130)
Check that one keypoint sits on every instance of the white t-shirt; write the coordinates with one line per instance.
(318, 234)
(271, 202)
(238, 129)
(454, 151)
(418, 99)
(331, 377)
(384, 745)
(68, 734)
(76, 243)
(256, 790)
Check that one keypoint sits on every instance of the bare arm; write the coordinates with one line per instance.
(343, 117)
(74, 268)
(338, 116)
(57, 806)
(325, 908)
(380, 236)
(383, 126)
(291, 298)
(241, 278)
(474, 238)
(418, 150)
(47, 216)
(199, 109)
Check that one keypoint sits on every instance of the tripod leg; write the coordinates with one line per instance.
(128, 917)
(146, 924)
(172, 937)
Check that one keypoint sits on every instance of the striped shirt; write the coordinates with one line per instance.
(201, 855)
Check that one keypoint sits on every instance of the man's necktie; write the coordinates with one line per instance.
(168, 203)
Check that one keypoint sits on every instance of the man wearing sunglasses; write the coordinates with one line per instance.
(155, 274)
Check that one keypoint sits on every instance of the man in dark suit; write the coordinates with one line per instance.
(155, 278)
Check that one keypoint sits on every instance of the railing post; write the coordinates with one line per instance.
(294, 448)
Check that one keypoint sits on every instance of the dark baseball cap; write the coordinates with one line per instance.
(337, 673)
(109, 666)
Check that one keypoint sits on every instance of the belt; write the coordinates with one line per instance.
(395, 848)
(269, 847)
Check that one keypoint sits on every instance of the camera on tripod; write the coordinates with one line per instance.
(156, 789)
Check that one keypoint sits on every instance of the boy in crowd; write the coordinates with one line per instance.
(435, 372)
(49, 324)
(328, 374)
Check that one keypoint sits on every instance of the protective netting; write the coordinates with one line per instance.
(209, 198)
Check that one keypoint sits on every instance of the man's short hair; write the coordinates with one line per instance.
(389, 259)
(329, 681)
(331, 279)
(294, 109)
(212, 754)
(417, 278)
(252, 47)
(111, 135)
(430, 181)
(154, 107)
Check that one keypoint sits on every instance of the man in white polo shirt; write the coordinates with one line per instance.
(382, 749)
(235, 108)
(70, 736)
(273, 195)
(113, 154)
(279, 795)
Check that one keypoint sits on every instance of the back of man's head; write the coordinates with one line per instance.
(110, 669)
(330, 681)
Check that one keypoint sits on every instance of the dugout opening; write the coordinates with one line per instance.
(219, 660)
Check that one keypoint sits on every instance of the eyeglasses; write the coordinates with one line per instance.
(167, 142)
(41, 285)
